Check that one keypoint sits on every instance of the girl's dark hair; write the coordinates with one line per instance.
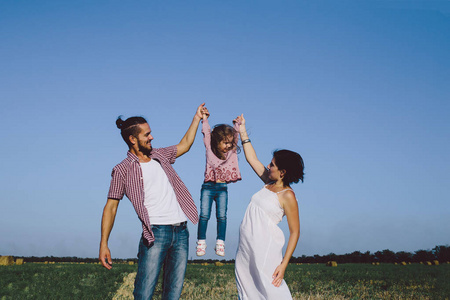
(292, 163)
(218, 134)
(129, 127)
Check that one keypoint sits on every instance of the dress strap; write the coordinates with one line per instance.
(284, 190)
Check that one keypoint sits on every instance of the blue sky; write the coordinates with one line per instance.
(360, 89)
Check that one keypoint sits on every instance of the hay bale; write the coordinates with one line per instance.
(131, 262)
(436, 262)
(428, 263)
(19, 261)
(403, 263)
(218, 264)
(6, 260)
(331, 264)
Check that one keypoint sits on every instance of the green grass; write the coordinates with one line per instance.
(365, 281)
(61, 281)
(346, 281)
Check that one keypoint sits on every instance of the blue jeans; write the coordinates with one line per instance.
(169, 250)
(213, 191)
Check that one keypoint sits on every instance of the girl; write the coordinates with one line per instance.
(221, 169)
(260, 264)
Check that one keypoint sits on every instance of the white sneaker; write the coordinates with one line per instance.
(201, 247)
(220, 248)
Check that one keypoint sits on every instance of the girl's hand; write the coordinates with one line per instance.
(240, 120)
(205, 113)
(278, 275)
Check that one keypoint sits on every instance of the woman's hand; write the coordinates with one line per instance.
(240, 120)
(278, 275)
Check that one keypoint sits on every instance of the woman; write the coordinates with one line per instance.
(260, 265)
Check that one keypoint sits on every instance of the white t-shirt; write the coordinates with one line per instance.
(160, 199)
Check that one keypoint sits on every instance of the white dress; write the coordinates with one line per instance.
(260, 248)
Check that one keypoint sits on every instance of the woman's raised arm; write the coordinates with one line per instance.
(249, 151)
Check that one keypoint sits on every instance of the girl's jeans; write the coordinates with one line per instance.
(213, 191)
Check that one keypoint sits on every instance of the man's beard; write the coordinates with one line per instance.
(144, 149)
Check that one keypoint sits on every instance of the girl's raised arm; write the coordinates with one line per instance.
(206, 129)
(250, 154)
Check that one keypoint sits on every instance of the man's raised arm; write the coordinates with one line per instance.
(188, 139)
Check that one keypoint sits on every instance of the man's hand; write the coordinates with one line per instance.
(105, 257)
(199, 113)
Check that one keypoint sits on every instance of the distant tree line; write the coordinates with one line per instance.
(440, 253)
(67, 259)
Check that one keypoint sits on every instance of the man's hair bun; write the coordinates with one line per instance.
(119, 122)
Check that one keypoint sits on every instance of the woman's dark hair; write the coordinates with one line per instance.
(218, 134)
(129, 127)
(292, 163)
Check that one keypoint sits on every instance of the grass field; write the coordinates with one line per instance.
(346, 281)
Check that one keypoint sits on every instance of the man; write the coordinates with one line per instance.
(162, 203)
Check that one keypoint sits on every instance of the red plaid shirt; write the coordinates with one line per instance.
(127, 180)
